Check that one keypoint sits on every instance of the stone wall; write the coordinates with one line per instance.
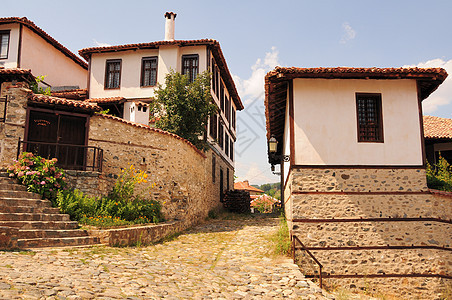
(179, 175)
(14, 126)
(89, 182)
(317, 196)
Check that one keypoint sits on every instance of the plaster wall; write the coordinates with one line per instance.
(11, 61)
(326, 123)
(44, 59)
(169, 58)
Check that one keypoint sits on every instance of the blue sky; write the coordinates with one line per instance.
(258, 35)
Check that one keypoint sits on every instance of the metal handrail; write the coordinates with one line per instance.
(79, 151)
(296, 239)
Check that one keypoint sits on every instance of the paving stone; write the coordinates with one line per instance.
(221, 259)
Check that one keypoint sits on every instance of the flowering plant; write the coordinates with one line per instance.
(40, 175)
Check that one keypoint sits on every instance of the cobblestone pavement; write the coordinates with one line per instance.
(222, 259)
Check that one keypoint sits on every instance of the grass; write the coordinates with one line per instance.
(281, 238)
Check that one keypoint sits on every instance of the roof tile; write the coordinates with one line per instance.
(65, 102)
(437, 128)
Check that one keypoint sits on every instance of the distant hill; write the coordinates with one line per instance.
(271, 189)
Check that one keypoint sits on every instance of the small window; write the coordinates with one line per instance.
(213, 168)
(190, 66)
(233, 117)
(231, 150)
(139, 107)
(369, 115)
(113, 74)
(227, 179)
(226, 144)
(4, 44)
(149, 71)
(221, 97)
(220, 135)
(213, 126)
(214, 79)
(145, 108)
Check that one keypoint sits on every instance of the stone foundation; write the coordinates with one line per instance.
(374, 205)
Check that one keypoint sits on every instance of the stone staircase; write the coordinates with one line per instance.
(38, 223)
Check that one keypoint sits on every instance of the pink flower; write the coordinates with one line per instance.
(29, 173)
(29, 154)
(22, 168)
(11, 175)
(43, 182)
(11, 168)
(20, 174)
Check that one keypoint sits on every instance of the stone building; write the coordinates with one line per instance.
(438, 138)
(350, 146)
(94, 148)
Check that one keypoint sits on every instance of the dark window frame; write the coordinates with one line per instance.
(231, 149)
(214, 167)
(143, 71)
(369, 118)
(213, 126)
(190, 57)
(221, 135)
(226, 144)
(5, 32)
(107, 73)
(233, 112)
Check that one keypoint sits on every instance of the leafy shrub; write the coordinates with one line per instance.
(264, 204)
(281, 238)
(439, 176)
(122, 206)
(40, 175)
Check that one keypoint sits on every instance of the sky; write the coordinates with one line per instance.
(256, 36)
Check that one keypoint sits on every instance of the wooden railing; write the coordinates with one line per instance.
(70, 157)
(295, 239)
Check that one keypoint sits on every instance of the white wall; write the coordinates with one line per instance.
(326, 123)
(286, 146)
(44, 59)
(169, 57)
(11, 61)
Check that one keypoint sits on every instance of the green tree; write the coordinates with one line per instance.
(184, 107)
(34, 86)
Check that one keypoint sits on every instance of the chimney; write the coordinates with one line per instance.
(169, 26)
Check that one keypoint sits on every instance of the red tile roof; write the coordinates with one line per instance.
(147, 127)
(245, 185)
(215, 48)
(76, 94)
(46, 37)
(276, 83)
(106, 100)
(15, 73)
(437, 128)
(37, 98)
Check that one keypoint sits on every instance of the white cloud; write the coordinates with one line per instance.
(100, 44)
(348, 34)
(443, 95)
(255, 174)
(253, 87)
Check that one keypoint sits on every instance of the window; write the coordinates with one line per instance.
(227, 179)
(370, 121)
(233, 117)
(227, 109)
(113, 74)
(214, 77)
(231, 150)
(226, 144)
(213, 167)
(149, 71)
(190, 66)
(4, 44)
(221, 97)
(213, 126)
(220, 135)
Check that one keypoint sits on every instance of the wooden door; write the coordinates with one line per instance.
(57, 135)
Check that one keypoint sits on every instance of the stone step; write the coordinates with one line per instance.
(49, 233)
(31, 202)
(8, 180)
(18, 194)
(57, 242)
(12, 187)
(40, 224)
(29, 209)
(33, 217)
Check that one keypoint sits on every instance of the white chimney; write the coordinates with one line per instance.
(169, 26)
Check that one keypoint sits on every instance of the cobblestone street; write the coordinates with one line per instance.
(221, 259)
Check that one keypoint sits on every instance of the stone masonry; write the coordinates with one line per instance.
(180, 176)
(346, 208)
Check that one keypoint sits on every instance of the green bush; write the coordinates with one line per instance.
(122, 206)
(40, 175)
(439, 176)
